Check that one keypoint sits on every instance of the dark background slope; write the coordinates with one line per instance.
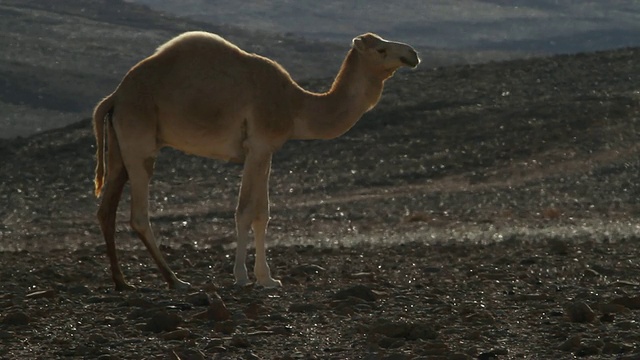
(59, 58)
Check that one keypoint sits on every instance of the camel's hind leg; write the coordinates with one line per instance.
(138, 153)
(116, 178)
(253, 212)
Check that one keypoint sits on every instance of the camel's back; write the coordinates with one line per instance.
(196, 41)
(198, 59)
(199, 85)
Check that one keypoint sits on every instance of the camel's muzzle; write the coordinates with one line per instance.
(410, 62)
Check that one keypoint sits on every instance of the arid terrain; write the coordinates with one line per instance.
(485, 211)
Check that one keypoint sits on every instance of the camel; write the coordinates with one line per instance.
(203, 95)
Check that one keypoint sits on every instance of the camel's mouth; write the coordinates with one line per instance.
(410, 62)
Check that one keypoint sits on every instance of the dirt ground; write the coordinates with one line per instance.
(480, 212)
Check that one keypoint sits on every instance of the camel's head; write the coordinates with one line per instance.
(384, 54)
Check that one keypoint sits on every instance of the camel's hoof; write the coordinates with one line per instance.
(123, 286)
(242, 283)
(270, 283)
(180, 285)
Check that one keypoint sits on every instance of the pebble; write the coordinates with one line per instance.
(307, 269)
(626, 325)
(43, 294)
(435, 348)
(218, 311)
(389, 342)
(632, 303)
(615, 348)
(303, 307)
(409, 331)
(225, 327)
(358, 291)
(396, 356)
(239, 340)
(139, 302)
(588, 350)
(612, 308)
(199, 298)
(571, 343)
(179, 334)
(163, 321)
(580, 312)
(79, 290)
(254, 310)
(189, 355)
(16, 318)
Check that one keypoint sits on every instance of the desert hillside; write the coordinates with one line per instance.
(480, 211)
(485, 211)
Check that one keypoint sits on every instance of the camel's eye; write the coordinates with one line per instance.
(382, 51)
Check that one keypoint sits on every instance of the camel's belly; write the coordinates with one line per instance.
(216, 142)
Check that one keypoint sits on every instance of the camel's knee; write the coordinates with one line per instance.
(244, 217)
(260, 221)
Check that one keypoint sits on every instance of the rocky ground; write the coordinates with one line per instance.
(485, 211)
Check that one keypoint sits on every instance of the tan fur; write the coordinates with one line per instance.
(203, 95)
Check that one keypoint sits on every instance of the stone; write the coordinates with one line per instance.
(163, 321)
(409, 331)
(435, 348)
(178, 334)
(43, 294)
(254, 310)
(571, 343)
(199, 298)
(307, 269)
(386, 342)
(359, 291)
(632, 303)
(16, 318)
(303, 307)
(239, 340)
(79, 290)
(580, 312)
(218, 310)
(612, 308)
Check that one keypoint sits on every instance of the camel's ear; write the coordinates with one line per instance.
(358, 44)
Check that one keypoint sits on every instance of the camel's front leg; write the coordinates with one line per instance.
(253, 212)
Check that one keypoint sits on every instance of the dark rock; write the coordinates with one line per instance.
(79, 290)
(580, 312)
(199, 298)
(390, 342)
(407, 330)
(218, 310)
(139, 302)
(163, 321)
(632, 303)
(307, 269)
(358, 291)
(303, 307)
(16, 318)
(571, 343)
(239, 340)
(179, 334)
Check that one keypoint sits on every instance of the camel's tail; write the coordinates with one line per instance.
(102, 110)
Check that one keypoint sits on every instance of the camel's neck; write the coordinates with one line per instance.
(354, 91)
